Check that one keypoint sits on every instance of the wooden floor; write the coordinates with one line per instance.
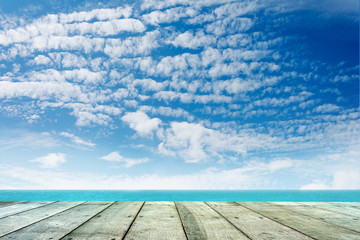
(179, 220)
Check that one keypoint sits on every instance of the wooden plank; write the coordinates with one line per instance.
(58, 225)
(202, 222)
(346, 221)
(21, 207)
(344, 208)
(112, 223)
(307, 225)
(352, 205)
(20, 220)
(341, 208)
(253, 224)
(9, 203)
(157, 220)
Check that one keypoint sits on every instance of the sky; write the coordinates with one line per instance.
(179, 94)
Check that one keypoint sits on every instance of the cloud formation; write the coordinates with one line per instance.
(52, 160)
(77, 140)
(214, 82)
(141, 123)
(129, 162)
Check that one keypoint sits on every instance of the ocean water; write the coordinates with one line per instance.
(181, 195)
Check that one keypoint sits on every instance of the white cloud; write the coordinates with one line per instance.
(77, 140)
(99, 14)
(230, 69)
(167, 111)
(346, 78)
(260, 112)
(107, 28)
(347, 179)
(341, 180)
(315, 186)
(145, 84)
(196, 143)
(236, 55)
(26, 139)
(239, 178)
(205, 81)
(189, 40)
(66, 43)
(236, 9)
(160, 4)
(340, 169)
(235, 85)
(209, 56)
(201, 18)
(141, 123)
(73, 61)
(280, 164)
(235, 40)
(40, 90)
(150, 84)
(74, 75)
(278, 102)
(42, 60)
(327, 108)
(132, 45)
(87, 119)
(52, 160)
(181, 62)
(169, 15)
(87, 114)
(306, 104)
(255, 174)
(229, 26)
(129, 162)
(40, 31)
(188, 97)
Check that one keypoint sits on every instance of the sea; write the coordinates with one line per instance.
(183, 195)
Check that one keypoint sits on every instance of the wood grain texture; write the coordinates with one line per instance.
(253, 224)
(345, 221)
(202, 222)
(181, 220)
(112, 223)
(58, 225)
(347, 210)
(9, 203)
(307, 225)
(23, 219)
(350, 205)
(20, 207)
(157, 220)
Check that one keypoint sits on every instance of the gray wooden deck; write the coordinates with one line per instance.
(179, 220)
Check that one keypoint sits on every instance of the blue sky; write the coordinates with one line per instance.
(179, 94)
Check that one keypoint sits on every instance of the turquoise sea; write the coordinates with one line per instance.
(181, 195)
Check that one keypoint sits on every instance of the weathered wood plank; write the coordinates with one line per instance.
(253, 224)
(58, 225)
(351, 205)
(202, 222)
(346, 221)
(339, 208)
(157, 220)
(343, 208)
(20, 207)
(20, 220)
(9, 203)
(112, 223)
(307, 225)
